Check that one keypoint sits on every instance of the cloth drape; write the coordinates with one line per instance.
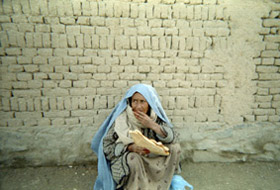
(104, 180)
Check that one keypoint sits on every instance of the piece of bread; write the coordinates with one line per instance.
(150, 144)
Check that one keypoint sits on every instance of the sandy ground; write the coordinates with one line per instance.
(203, 176)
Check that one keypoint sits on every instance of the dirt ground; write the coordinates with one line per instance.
(203, 176)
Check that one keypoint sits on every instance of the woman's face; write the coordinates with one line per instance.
(139, 103)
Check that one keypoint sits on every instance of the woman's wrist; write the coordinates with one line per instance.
(129, 147)
(157, 128)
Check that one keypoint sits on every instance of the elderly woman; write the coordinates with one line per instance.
(121, 163)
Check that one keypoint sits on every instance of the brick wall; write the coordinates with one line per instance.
(215, 65)
(267, 98)
(70, 62)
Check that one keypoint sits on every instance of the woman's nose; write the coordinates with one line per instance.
(138, 105)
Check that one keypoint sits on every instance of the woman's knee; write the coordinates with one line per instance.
(133, 160)
(175, 148)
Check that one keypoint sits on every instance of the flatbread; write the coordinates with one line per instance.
(150, 144)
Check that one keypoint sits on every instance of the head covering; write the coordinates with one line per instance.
(104, 180)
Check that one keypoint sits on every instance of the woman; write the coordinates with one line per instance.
(121, 163)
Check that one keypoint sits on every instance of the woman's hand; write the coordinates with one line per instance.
(145, 120)
(134, 148)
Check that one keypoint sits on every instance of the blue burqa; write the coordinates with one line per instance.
(104, 179)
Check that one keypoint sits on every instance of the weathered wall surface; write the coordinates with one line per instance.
(65, 65)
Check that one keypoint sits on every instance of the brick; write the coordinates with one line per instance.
(29, 40)
(31, 68)
(87, 29)
(267, 69)
(5, 104)
(265, 112)
(58, 92)
(90, 69)
(71, 121)
(46, 40)
(65, 84)
(4, 18)
(271, 22)
(52, 20)
(274, 118)
(61, 69)
(107, 83)
(75, 52)
(274, 90)
(58, 122)
(15, 68)
(144, 69)
(262, 91)
(271, 46)
(29, 52)
(93, 83)
(58, 28)
(14, 104)
(264, 105)
(60, 52)
(12, 39)
(263, 98)
(97, 21)
(73, 30)
(249, 118)
(83, 21)
(13, 51)
(49, 84)
(53, 103)
(80, 84)
(42, 28)
(130, 31)
(4, 41)
(103, 43)
(82, 91)
(26, 27)
(30, 122)
(210, 84)
(38, 40)
(40, 76)
(62, 41)
(15, 122)
(22, 104)
(45, 52)
(55, 76)
(272, 38)
(70, 60)
(32, 84)
(71, 41)
(44, 122)
(79, 41)
(55, 61)
(120, 84)
(26, 93)
(46, 68)
(270, 53)
(19, 19)
(86, 121)
(103, 69)
(55, 114)
(24, 76)
(270, 76)
(267, 61)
